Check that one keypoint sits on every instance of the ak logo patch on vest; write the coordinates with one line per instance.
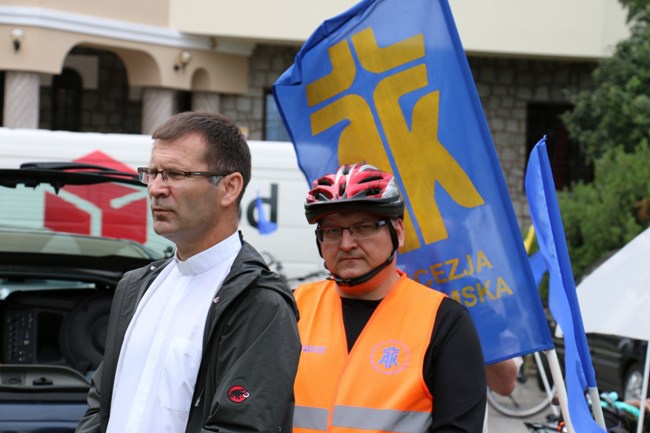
(390, 357)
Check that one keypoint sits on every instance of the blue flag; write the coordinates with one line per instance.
(387, 83)
(264, 226)
(538, 266)
(563, 300)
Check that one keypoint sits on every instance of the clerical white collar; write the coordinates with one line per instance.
(208, 259)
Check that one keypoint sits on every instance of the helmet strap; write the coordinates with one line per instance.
(393, 235)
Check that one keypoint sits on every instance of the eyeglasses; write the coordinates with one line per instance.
(148, 175)
(358, 231)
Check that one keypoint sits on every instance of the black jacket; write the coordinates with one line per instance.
(251, 340)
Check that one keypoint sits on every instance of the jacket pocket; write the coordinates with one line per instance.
(179, 375)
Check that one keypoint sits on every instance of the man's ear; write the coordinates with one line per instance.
(231, 185)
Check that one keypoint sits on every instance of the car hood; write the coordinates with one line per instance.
(43, 255)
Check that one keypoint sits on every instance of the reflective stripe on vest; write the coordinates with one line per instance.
(362, 418)
(379, 385)
(310, 417)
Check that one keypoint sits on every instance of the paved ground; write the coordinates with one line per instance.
(525, 393)
(498, 423)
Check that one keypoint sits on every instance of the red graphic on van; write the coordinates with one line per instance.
(108, 210)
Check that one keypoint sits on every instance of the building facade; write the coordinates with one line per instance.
(125, 67)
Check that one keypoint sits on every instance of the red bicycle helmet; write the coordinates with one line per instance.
(359, 187)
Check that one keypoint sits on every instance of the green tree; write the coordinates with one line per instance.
(604, 215)
(612, 124)
(617, 112)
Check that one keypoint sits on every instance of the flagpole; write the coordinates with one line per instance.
(547, 386)
(596, 408)
(644, 390)
(560, 388)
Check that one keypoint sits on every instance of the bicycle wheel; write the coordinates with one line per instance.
(527, 399)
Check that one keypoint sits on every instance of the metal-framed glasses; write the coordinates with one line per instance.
(326, 235)
(148, 175)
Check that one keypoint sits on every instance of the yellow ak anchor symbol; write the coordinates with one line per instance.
(422, 161)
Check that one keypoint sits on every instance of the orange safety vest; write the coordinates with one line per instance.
(379, 385)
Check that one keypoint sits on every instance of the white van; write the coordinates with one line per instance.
(276, 178)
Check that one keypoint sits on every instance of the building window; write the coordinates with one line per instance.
(183, 102)
(274, 129)
(568, 162)
(66, 101)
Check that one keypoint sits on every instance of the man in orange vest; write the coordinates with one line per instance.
(380, 352)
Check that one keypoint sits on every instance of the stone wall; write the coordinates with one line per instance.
(506, 87)
(107, 108)
(267, 63)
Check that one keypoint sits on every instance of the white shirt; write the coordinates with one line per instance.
(162, 348)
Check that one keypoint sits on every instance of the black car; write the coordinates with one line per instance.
(55, 296)
(617, 361)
